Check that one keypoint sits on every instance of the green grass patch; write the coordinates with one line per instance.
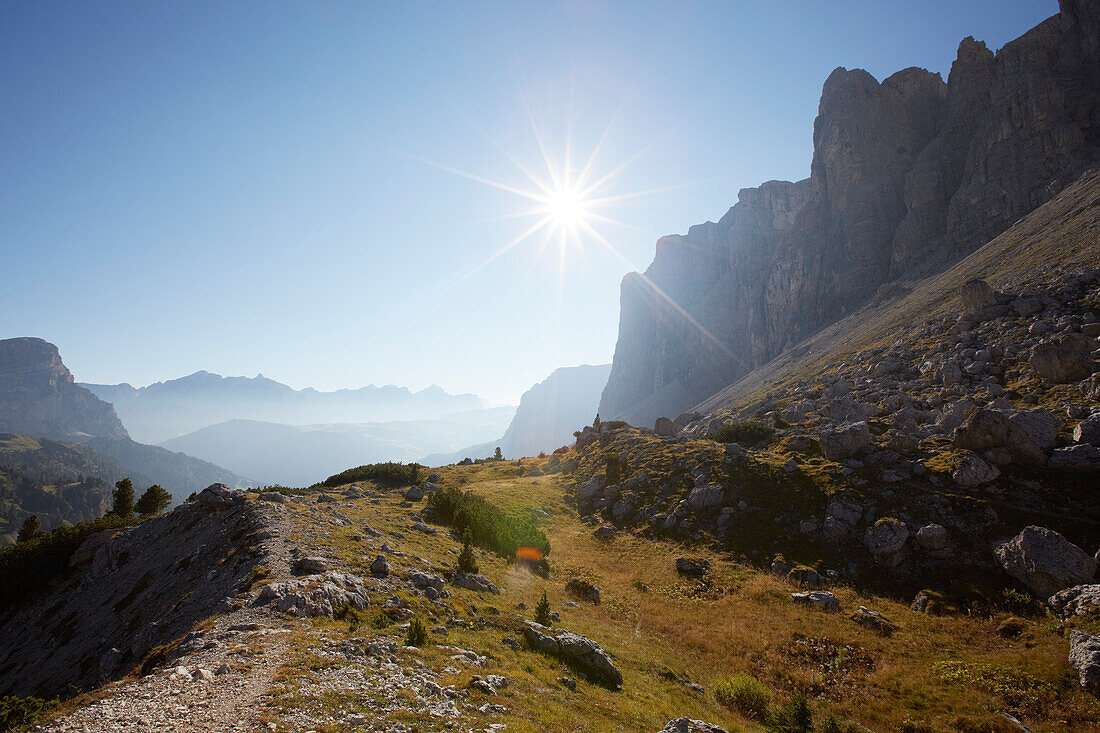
(490, 526)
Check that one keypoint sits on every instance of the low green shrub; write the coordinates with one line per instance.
(745, 694)
(383, 474)
(794, 717)
(418, 633)
(489, 525)
(750, 432)
(17, 712)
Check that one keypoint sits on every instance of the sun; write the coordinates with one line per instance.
(566, 207)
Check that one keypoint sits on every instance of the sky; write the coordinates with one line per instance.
(326, 192)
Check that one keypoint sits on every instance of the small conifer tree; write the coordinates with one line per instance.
(596, 422)
(154, 501)
(542, 611)
(467, 560)
(418, 633)
(123, 496)
(31, 528)
(497, 455)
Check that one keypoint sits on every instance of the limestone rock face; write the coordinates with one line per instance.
(38, 396)
(908, 175)
(1045, 561)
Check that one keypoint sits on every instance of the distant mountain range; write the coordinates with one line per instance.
(39, 398)
(546, 418)
(302, 455)
(170, 409)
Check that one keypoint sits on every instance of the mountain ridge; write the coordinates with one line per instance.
(173, 408)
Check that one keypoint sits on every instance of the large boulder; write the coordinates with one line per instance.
(844, 440)
(976, 295)
(664, 427)
(583, 590)
(474, 582)
(1081, 457)
(1088, 431)
(886, 536)
(932, 537)
(688, 725)
(1080, 600)
(1084, 656)
(309, 565)
(1027, 434)
(421, 580)
(575, 650)
(218, 496)
(317, 595)
(821, 599)
(705, 497)
(1045, 561)
(1067, 358)
(974, 471)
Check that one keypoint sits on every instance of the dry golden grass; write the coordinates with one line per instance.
(663, 634)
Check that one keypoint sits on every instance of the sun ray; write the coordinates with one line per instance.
(658, 290)
(480, 179)
(499, 253)
(619, 168)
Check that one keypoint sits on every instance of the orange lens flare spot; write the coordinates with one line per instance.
(528, 553)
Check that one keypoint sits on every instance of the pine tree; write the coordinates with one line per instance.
(154, 501)
(596, 422)
(542, 611)
(497, 455)
(124, 498)
(467, 560)
(418, 633)
(31, 528)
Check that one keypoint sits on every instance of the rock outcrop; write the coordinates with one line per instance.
(130, 592)
(38, 396)
(908, 175)
(577, 651)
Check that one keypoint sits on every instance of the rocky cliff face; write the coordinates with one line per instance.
(38, 396)
(908, 175)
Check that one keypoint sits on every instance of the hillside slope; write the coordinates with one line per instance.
(673, 637)
(55, 481)
(907, 176)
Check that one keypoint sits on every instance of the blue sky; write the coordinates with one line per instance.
(263, 187)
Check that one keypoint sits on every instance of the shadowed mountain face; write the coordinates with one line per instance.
(908, 176)
(38, 396)
(169, 409)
